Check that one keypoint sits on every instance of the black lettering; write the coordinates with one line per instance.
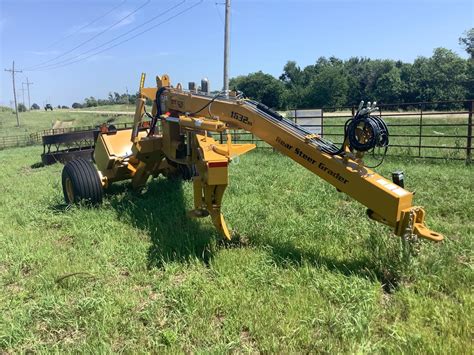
(239, 117)
(334, 174)
(283, 143)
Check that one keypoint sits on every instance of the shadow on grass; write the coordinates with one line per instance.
(161, 212)
(387, 272)
(37, 165)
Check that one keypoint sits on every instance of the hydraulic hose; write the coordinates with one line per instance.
(154, 120)
(372, 127)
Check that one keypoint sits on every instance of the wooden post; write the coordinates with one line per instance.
(420, 130)
(13, 71)
(469, 135)
(322, 122)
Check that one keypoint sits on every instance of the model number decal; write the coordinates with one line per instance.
(239, 117)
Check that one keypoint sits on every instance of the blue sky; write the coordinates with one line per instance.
(265, 35)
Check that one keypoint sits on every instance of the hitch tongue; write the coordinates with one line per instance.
(413, 221)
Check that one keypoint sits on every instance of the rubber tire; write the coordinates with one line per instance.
(186, 172)
(85, 181)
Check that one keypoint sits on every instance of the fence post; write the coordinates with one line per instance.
(469, 135)
(420, 130)
(322, 122)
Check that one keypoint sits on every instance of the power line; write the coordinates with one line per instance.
(93, 37)
(86, 25)
(48, 66)
(128, 39)
(13, 71)
(218, 12)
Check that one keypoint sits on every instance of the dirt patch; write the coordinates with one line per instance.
(26, 270)
(246, 338)
(14, 288)
(61, 335)
(218, 319)
(63, 124)
(26, 170)
(124, 273)
(3, 268)
(65, 241)
(179, 279)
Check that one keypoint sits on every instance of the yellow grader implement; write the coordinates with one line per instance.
(184, 146)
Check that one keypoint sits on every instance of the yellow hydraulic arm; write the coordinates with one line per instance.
(196, 113)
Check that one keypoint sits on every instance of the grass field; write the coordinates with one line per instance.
(34, 121)
(308, 272)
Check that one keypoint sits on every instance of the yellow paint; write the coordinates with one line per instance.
(184, 142)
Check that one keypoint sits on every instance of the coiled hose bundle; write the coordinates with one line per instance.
(366, 132)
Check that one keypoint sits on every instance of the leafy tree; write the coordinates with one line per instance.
(21, 107)
(469, 85)
(132, 98)
(292, 75)
(261, 87)
(389, 86)
(467, 41)
(328, 89)
(76, 105)
(441, 77)
(90, 101)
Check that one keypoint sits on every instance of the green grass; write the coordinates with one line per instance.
(34, 121)
(308, 273)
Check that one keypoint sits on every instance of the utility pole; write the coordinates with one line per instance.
(23, 93)
(226, 47)
(13, 71)
(128, 96)
(28, 86)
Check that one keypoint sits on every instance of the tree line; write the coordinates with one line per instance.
(333, 82)
(113, 99)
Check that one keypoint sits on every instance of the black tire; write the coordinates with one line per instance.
(81, 182)
(186, 172)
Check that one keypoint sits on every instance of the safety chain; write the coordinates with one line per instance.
(410, 242)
